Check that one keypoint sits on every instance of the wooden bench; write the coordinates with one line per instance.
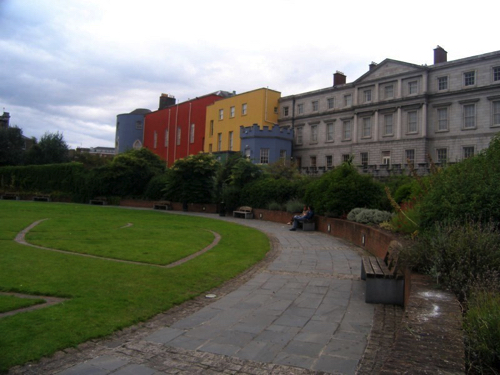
(11, 196)
(41, 198)
(243, 211)
(307, 225)
(384, 279)
(102, 201)
(163, 205)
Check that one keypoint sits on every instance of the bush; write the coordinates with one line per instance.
(294, 206)
(340, 190)
(154, 189)
(275, 206)
(467, 190)
(260, 193)
(482, 328)
(456, 254)
(368, 216)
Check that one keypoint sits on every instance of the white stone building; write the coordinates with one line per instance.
(398, 111)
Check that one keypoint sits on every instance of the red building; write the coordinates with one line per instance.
(175, 131)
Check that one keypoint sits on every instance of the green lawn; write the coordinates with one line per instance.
(9, 303)
(105, 296)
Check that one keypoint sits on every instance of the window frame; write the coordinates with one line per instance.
(348, 100)
(313, 161)
(438, 158)
(330, 103)
(285, 111)
(364, 157)
(264, 156)
(441, 121)
(230, 141)
(299, 135)
(232, 111)
(179, 136)
(442, 80)
(244, 109)
(219, 141)
(330, 135)
(314, 133)
(386, 95)
(315, 106)
(300, 108)
(496, 73)
(211, 129)
(192, 129)
(391, 133)
(386, 157)
(466, 118)
(366, 128)
(412, 150)
(408, 129)
(413, 87)
(495, 113)
(469, 78)
(367, 96)
(346, 130)
(329, 161)
(167, 136)
(468, 148)
(221, 114)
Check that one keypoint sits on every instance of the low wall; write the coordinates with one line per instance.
(210, 208)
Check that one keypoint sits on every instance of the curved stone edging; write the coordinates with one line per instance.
(21, 239)
(49, 301)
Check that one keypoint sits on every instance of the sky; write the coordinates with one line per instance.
(72, 66)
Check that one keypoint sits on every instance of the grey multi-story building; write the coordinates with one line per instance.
(397, 112)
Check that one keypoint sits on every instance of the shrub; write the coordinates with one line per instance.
(482, 328)
(275, 206)
(154, 189)
(368, 216)
(467, 190)
(262, 192)
(340, 190)
(456, 254)
(294, 206)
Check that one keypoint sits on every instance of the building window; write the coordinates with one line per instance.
(331, 103)
(248, 153)
(442, 115)
(138, 125)
(329, 161)
(410, 156)
(275, 109)
(313, 161)
(367, 94)
(314, 133)
(468, 152)
(231, 111)
(443, 83)
(299, 135)
(285, 111)
(469, 78)
(155, 139)
(346, 130)
(388, 124)
(367, 127)
(346, 158)
(264, 156)
(221, 114)
(300, 109)
(178, 135)
(191, 134)
(166, 137)
(496, 73)
(347, 100)
(412, 87)
(364, 159)
(219, 142)
(329, 132)
(230, 143)
(442, 155)
(210, 148)
(283, 155)
(412, 122)
(469, 116)
(389, 92)
(386, 157)
(496, 112)
(315, 106)
(244, 109)
(211, 128)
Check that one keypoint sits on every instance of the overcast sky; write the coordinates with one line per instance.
(72, 66)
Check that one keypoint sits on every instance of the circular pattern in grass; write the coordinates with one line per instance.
(158, 242)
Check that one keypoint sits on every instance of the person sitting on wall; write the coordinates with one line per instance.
(297, 219)
(304, 212)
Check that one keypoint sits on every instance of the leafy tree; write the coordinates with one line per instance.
(11, 146)
(127, 175)
(261, 192)
(192, 179)
(52, 149)
(340, 190)
(244, 172)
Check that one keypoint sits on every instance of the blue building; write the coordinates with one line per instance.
(266, 146)
(130, 130)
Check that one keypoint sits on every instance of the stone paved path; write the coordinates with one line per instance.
(301, 312)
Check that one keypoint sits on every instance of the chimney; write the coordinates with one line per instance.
(166, 100)
(339, 78)
(372, 65)
(440, 55)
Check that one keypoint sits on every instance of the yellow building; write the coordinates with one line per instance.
(224, 118)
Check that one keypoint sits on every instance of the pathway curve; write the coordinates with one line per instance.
(300, 311)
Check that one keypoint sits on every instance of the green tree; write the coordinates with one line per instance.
(192, 179)
(52, 149)
(340, 190)
(11, 146)
(127, 175)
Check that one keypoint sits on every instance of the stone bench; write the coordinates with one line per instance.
(11, 196)
(384, 279)
(102, 201)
